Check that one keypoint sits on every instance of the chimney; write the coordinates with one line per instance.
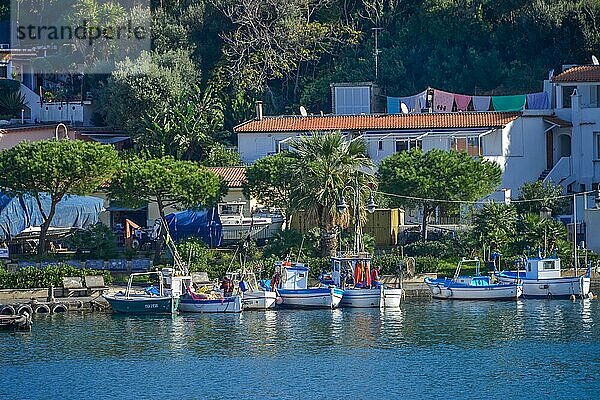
(259, 110)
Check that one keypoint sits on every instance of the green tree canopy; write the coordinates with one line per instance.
(495, 225)
(146, 86)
(437, 176)
(325, 165)
(271, 180)
(548, 195)
(187, 129)
(57, 168)
(166, 181)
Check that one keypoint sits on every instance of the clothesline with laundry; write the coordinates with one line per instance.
(444, 102)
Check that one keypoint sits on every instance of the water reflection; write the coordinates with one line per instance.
(421, 343)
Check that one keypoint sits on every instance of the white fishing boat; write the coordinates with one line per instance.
(542, 279)
(472, 287)
(353, 274)
(161, 299)
(236, 226)
(254, 297)
(293, 291)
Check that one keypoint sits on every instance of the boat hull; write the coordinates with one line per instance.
(142, 304)
(309, 298)
(552, 288)
(372, 298)
(258, 300)
(232, 304)
(443, 290)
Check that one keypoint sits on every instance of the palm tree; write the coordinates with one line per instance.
(325, 164)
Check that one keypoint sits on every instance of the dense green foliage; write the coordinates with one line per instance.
(56, 168)
(271, 180)
(11, 102)
(166, 181)
(325, 164)
(31, 277)
(97, 242)
(288, 52)
(548, 195)
(437, 175)
(501, 228)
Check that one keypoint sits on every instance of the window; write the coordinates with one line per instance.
(597, 145)
(469, 145)
(401, 145)
(567, 91)
(548, 265)
(380, 145)
(528, 267)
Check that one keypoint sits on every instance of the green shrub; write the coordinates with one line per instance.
(8, 86)
(99, 240)
(31, 277)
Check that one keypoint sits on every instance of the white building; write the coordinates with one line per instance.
(513, 140)
(560, 144)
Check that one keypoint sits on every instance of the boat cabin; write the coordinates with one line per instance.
(293, 276)
(232, 210)
(356, 267)
(174, 286)
(542, 268)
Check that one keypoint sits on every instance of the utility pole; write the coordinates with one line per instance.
(377, 51)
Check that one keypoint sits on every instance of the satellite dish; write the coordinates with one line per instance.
(595, 60)
(404, 108)
(303, 111)
(550, 74)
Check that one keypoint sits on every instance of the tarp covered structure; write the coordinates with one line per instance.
(202, 224)
(20, 213)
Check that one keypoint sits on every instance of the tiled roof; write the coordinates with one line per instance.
(582, 73)
(379, 122)
(560, 122)
(233, 176)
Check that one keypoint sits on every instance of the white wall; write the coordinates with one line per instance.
(253, 146)
(524, 152)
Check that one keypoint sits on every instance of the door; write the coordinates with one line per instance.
(549, 150)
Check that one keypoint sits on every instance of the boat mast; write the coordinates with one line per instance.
(575, 233)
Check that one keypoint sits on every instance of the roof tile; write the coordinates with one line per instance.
(233, 176)
(582, 73)
(378, 122)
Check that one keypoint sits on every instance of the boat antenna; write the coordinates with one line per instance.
(300, 249)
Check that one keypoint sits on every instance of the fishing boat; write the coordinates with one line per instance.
(542, 279)
(352, 273)
(213, 302)
(293, 291)
(254, 297)
(472, 287)
(163, 299)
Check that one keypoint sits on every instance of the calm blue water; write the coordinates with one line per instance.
(471, 350)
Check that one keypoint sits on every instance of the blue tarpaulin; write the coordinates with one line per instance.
(203, 224)
(20, 213)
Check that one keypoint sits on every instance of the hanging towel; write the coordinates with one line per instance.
(481, 103)
(409, 101)
(538, 101)
(462, 102)
(509, 103)
(393, 105)
(422, 99)
(442, 101)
